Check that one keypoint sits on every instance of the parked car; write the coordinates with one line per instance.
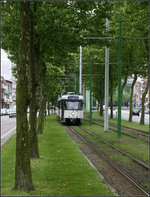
(12, 113)
(8, 111)
(139, 108)
(124, 107)
(93, 108)
(136, 112)
(115, 107)
(3, 111)
(147, 111)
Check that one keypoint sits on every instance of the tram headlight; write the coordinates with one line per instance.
(73, 113)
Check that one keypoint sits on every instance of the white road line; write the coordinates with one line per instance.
(7, 132)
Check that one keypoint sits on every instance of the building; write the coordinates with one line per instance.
(8, 93)
(139, 89)
(13, 92)
(2, 92)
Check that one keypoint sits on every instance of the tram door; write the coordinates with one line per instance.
(62, 109)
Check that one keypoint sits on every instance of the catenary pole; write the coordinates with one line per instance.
(80, 81)
(77, 81)
(106, 80)
(149, 61)
(90, 88)
(119, 77)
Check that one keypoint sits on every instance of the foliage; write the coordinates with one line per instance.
(60, 27)
(53, 82)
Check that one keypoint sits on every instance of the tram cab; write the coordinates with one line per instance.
(70, 108)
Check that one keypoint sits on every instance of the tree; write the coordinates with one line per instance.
(42, 100)
(23, 178)
(33, 83)
(131, 96)
(143, 107)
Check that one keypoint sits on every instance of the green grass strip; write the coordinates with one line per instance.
(135, 147)
(123, 122)
(61, 170)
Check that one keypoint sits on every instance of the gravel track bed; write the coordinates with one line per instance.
(120, 184)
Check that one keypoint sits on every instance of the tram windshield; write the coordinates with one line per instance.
(75, 105)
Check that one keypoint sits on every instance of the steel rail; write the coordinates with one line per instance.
(144, 133)
(123, 152)
(135, 137)
(113, 165)
(121, 132)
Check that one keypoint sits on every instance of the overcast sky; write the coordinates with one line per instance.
(5, 66)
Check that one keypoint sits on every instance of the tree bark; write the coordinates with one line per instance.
(111, 103)
(123, 86)
(101, 107)
(34, 151)
(143, 107)
(42, 101)
(48, 108)
(131, 96)
(111, 93)
(23, 177)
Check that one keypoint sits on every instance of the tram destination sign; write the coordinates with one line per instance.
(73, 97)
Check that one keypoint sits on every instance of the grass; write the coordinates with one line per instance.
(116, 155)
(135, 147)
(124, 122)
(61, 170)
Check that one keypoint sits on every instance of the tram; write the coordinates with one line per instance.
(70, 108)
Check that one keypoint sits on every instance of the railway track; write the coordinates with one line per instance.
(138, 131)
(134, 135)
(112, 163)
(118, 149)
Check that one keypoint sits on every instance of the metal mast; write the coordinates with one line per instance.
(80, 81)
(106, 80)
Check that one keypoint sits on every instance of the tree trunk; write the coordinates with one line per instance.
(42, 102)
(111, 103)
(101, 107)
(33, 86)
(23, 177)
(131, 96)
(48, 108)
(111, 93)
(123, 85)
(143, 107)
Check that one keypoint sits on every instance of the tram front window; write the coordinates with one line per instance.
(75, 105)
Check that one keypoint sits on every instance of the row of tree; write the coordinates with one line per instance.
(43, 39)
(135, 50)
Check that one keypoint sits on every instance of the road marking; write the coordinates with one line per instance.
(8, 132)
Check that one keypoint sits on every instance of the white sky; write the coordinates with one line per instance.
(5, 66)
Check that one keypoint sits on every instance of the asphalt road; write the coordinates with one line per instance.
(8, 128)
(135, 118)
(8, 125)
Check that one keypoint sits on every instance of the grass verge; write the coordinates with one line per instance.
(61, 170)
(135, 147)
(124, 122)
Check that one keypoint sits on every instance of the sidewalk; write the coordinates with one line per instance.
(61, 170)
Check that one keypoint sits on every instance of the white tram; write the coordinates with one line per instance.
(70, 108)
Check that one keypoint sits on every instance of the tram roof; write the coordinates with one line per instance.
(71, 97)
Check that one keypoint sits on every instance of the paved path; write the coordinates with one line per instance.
(135, 118)
(8, 128)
